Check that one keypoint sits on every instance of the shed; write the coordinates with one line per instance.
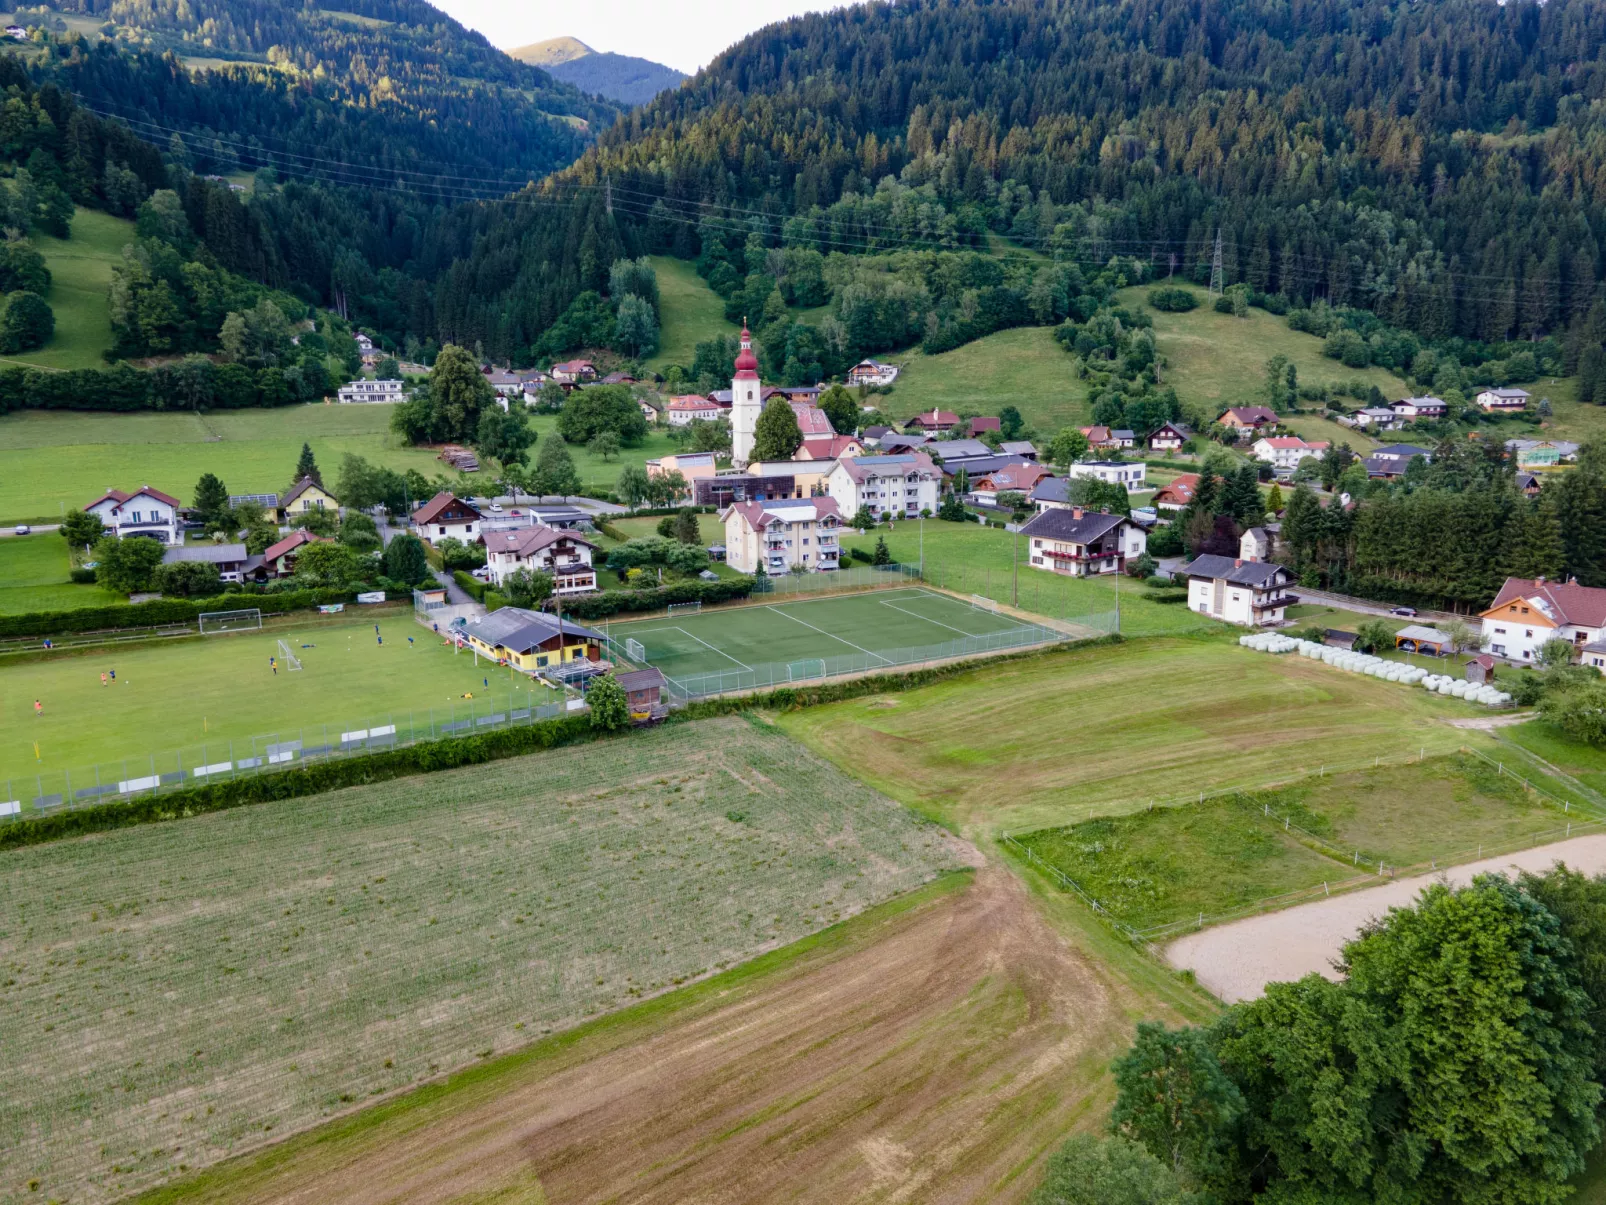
(1481, 669)
(1415, 638)
(1339, 639)
(643, 691)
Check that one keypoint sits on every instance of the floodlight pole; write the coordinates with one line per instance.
(1014, 570)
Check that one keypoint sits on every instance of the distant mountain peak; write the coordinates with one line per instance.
(551, 52)
(620, 77)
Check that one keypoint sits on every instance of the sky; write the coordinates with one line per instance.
(683, 36)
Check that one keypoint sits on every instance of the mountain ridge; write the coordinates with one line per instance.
(621, 77)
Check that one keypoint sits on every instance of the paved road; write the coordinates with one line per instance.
(33, 529)
(1366, 607)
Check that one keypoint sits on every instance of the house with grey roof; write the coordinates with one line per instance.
(1250, 593)
(1081, 543)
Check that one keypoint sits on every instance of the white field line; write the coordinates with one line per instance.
(704, 643)
(928, 619)
(832, 635)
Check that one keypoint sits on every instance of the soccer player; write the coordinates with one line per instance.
(38, 708)
(114, 675)
(274, 666)
(103, 677)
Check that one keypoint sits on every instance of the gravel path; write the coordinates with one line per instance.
(1237, 960)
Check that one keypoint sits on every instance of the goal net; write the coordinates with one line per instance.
(634, 650)
(982, 603)
(682, 608)
(213, 622)
(291, 661)
(798, 671)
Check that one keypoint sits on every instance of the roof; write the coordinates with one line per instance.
(215, 554)
(859, 468)
(1288, 441)
(1400, 452)
(1179, 488)
(289, 544)
(1485, 660)
(1420, 633)
(119, 497)
(933, 418)
(1423, 403)
(876, 432)
(811, 420)
(1021, 476)
(573, 366)
(892, 439)
(1563, 602)
(1018, 447)
(691, 401)
(1180, 428)
(871, 364)
(1507, 392)
(439, 503)
(1052, 489)
(301, 487)
(1075, 526)
(264, 500)
(1122, 433)
(640, 679)
(1096, 434)
(959, 449)
(784, 510)
(1250, 414)
(829, 447)
(985, 423)
(524, 541)
(1238, 572)
(520, 630)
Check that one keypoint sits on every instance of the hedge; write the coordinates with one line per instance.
(614, 602)
(450, 753)
(471, 584)
(163, 611)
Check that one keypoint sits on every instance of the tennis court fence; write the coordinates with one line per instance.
(211, 761)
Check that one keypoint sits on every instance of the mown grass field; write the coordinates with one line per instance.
(34, 577)
(51, 461)
(81, 272)
(1163, 866)
(184, 701)
(185, 991)
(1218, 360)
(692, 313)
(1067, 736)
(1023, 368)
(971, 559)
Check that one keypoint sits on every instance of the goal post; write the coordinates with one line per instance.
(983, 603)
(635, 650)
(291, 661)
(683, 608)
(215, 622)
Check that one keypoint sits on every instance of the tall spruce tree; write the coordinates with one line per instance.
(307, 466)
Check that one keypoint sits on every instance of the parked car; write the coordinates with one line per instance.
(23, 529)
(482, 574)
(496, 508)
(1403, 612)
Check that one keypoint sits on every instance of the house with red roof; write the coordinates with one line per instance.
(812, 421)
(1249, 420)
(145, 512)
(541, 549)
(1525, 614)
(1021, 478)
(689, 408)
(573, 372)
(1100, 438)
(829, 447)
(933, 420)
(279, 560)
(981, 423)
(1177, 493)
(446, 516)
(783, 534)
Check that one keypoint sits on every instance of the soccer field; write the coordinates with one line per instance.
(739, 648)
(175, 706)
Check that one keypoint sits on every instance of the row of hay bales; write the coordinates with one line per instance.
(1376, 667)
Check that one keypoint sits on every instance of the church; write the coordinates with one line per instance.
(748, 397)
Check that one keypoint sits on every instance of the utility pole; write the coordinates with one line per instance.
(1215, 267)
(1014, 571)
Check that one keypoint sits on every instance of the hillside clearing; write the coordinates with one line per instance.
(81, 273)
(691, 314)
(191, 990)
(1022, 367)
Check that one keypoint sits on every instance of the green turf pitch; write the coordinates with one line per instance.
(817, 636)
(184, 702)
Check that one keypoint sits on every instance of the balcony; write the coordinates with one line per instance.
(1272, 602)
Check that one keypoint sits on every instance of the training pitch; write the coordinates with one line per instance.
(795, 639)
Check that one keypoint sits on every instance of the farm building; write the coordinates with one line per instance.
(1481, 669)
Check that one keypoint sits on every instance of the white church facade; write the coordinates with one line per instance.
(746, 405)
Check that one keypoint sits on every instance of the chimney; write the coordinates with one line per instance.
(1540, 580)
(1076, 513)
(1238, 564)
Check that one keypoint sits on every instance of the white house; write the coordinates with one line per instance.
(1526, 613)
(1130, 477)
(1284, 452)
(1503, 399)
(782, 534)
(689, 408)
(872, 372)
(145, 512)
(446, 516)
(563, 554)
(1082, 543)
(364, 343)
(1169, 437)
(377, 391)
(574, 372)
(1420, 407)
(902, 485)
(1381, 417)
(1250, 593)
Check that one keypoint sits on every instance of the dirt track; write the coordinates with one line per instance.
(1237, 960)
(931, 1060)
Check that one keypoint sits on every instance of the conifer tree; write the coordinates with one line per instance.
(307, 466)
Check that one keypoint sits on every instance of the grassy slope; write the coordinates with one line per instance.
(1024, 368)
(371, 936)
(34, 577)
(1062, 737)
(692, 313)
(81, 271)
(219, 689)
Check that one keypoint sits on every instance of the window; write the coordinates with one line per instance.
(1528, 632)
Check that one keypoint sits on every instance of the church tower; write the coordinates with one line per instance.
(745, 403)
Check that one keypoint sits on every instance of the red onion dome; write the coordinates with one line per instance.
(746, 361)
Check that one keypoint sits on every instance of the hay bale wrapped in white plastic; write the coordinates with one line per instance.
(1444, 687)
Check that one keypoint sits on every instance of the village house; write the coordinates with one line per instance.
(1248, 593)
(1410, 408)
(1082, 543)
(1051, 493)
(1018, 478)
(507, 384)
(1176, 493)
(1099, 439)
(1391, 462)
(306, 495)
(1258, 543)
(872, 372)
(618, 378)
(1284, 452)
(829, 447)
(812, 422)
(782, 535)
(1128, 475)
(1123, 439)
(1169, 437)
(269, 504)
(145, 512)
(228, 559)
(893, 442)
(934, 421)
(651, 409)
(1502, 400)
(976, 426)
(563, 554)
(1380, 417)
(532, 640)
(688, 408)
(901, 485)
(574, 372)
(446, 516)
(1527, 613)
(1542, 454)
(872, 436)
(279, 560)
(385, 390)
(1248, 421)
(690, 465)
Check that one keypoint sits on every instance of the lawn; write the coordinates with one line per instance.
(181, 992)
(183, 702)
(253, 451)
(1022, 367)
(1163, 866)
(34, 577)
(1074, 734)
(1218, 360)
(692, 313)
(971, 559)
(81, 273)
(1584, 762)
